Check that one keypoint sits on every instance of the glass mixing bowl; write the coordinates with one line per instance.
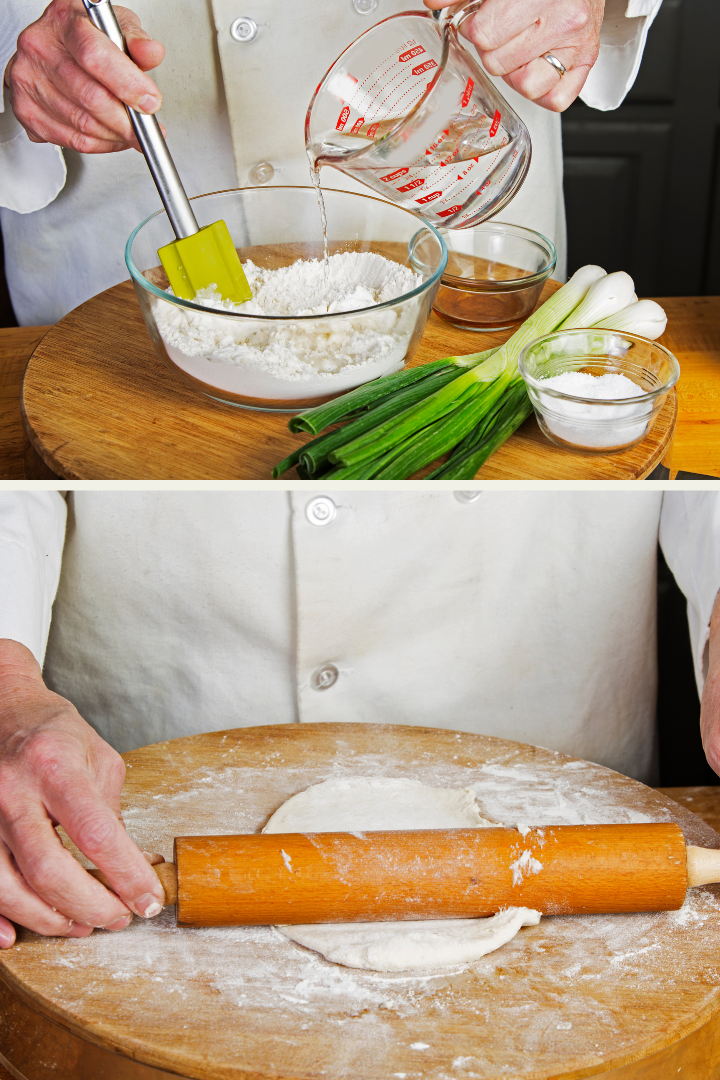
(284, 363)
(592, 425)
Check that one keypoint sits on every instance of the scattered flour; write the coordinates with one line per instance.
(350, 342)
(586, 423)
(260, 1000)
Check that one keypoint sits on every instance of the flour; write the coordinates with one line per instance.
(526, 864)
(246, 996)
(585, 423)
(350, 341)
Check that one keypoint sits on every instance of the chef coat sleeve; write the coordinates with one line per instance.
(32, 532)
(622, 41)
(31, 174)
(690, 540)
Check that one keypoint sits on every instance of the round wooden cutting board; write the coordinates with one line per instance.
(99, 404)
(622, 996)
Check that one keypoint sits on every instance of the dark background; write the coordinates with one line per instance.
(642, 183)
(642, 193)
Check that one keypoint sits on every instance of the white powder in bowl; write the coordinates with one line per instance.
(258, 358)
(587, 424)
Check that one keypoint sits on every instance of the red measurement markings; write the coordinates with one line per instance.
(413, 184)
(343, 118)
(450, 210)
(372, 131)
(357, 125)
(427, 66)
(404, 57)
(495, 124)
(467, 93)
(434, 146)
(468, 168)
(395, 175)
(430, 197)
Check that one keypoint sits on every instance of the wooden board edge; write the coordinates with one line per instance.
(44, 455)
(35, 1046)
(696, 1056)
(36, 1034)
(662, 448)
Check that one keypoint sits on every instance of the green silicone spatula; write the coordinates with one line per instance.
(200, 256)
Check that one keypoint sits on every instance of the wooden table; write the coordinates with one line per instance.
(632, 997)
(693, 335)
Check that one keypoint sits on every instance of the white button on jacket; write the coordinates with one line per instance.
(529, 616)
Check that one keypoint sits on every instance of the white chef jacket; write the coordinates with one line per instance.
(528, 616)
(228, 106)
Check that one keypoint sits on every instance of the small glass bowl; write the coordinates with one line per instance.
(592, 425)
(228, 355)
(494, 276)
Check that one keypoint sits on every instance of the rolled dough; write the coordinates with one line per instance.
(366, 803)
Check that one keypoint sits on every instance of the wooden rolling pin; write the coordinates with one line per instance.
(430, 874)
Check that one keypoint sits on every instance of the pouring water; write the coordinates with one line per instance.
(408, 112)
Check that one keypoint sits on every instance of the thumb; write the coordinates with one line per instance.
(144, 50)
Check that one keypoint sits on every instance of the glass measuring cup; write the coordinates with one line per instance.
(407, 111)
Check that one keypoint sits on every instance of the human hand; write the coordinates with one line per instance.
(68, 81)
(54, 769)
(710, 708)
(512, 37)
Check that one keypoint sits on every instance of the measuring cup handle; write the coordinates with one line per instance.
(457, 14)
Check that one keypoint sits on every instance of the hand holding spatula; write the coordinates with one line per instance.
(200, 256)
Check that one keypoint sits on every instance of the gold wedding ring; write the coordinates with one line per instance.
(560, 68)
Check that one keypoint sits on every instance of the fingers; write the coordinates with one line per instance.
(144, 50)
(68, 81)
(153, 857)
(97, 56)
(531, 43)
(21, 904)
(538, 77)
(95, 829)
(48, 780)
(512, 39)
(565, 90)
(75, 112)
(7, 933)
(53, 876)
(498, 23)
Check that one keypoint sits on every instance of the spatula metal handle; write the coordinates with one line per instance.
(149, 135)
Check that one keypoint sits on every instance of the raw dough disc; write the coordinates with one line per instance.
(365, 803)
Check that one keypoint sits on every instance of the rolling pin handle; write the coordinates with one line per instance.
(165, 871)
(703, 866)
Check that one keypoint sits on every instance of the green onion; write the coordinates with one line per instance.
(607, 296)
(314, 420)
(477, 448)
(645, 318)
(468, 405)
(313, 455)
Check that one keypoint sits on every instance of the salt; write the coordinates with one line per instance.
(586, 424)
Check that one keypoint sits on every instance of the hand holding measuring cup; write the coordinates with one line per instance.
(515, 39)
(409, 112)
